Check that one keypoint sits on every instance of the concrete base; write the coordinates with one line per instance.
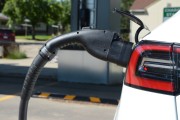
(80, 66)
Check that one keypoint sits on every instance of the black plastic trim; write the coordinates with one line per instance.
(139, 62)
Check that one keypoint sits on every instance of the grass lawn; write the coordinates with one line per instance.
(38, 37)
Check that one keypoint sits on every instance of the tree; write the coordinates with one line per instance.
(65, 15)
(12, 11)
(125, 22)
(2, 2)
(46, 11)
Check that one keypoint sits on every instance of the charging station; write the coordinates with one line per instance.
(95, 14)
(75, 64)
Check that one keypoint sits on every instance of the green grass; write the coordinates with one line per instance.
(38, 37)
(16, 55)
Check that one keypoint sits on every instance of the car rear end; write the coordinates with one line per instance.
(151, 84)
(151, 89)
(7, 35)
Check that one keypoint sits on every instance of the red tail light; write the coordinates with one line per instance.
(151, 68)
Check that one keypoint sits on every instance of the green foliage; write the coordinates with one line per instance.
(65, 15)
(16, 55)
(126, 4)
(41, 11)
(46, 11)
(2, 2)
(125, 22)
(12, 11)
(38, 37)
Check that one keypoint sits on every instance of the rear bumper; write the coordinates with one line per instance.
(137, 104)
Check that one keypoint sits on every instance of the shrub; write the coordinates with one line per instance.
(15, 54)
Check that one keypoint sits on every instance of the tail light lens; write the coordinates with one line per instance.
(151, 68)
(156, 65)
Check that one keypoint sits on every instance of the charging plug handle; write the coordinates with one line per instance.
(103, 44)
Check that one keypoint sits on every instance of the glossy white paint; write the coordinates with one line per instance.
(178, 105)
(138, 104)
(153, 15)
(167, 31)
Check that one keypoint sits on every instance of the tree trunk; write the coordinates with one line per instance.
(33, 32)
(47, 29)
(63, 30)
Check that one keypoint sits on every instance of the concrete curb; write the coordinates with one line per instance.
(90, 99)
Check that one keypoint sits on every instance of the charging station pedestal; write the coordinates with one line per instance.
(78, 65)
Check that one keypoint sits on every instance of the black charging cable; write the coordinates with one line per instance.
(103, 44)
(135, 20)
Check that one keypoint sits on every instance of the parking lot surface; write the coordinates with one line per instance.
(43, 109)
(49, 109)
(12, 74)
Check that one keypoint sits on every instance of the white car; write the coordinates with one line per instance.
(152, 84)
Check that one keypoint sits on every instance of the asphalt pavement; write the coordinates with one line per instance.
(47, 109)
(15, 71)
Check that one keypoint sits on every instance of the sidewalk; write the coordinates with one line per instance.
(79, 91)
(29, 41)
(19, 68)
